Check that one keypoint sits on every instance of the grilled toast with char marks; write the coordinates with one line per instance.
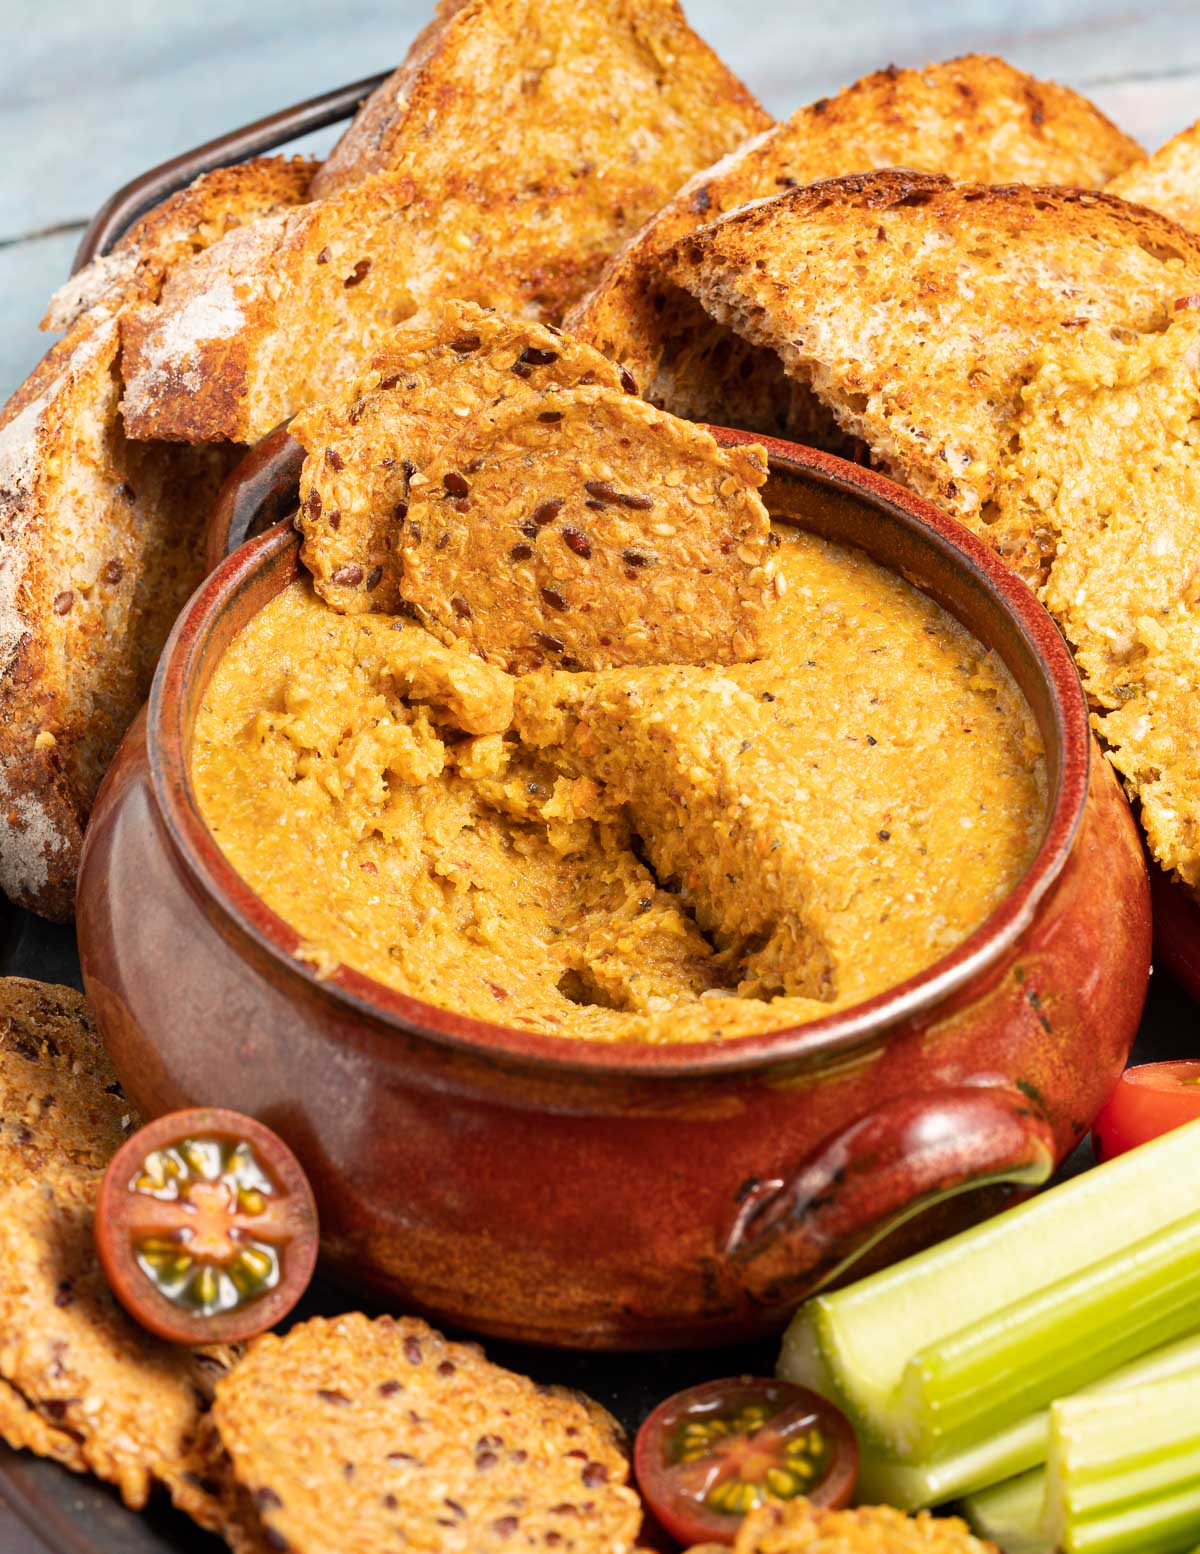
(519, 146)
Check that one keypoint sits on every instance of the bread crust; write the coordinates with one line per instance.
(100, 539)
(975, 118)
(913, 305)
(530, 142)
(182, 225)
(1168, 180)
(413, 95)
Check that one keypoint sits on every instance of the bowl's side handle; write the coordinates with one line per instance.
(258, 492)
(793, 1237)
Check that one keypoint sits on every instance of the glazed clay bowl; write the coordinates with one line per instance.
(613, 1195)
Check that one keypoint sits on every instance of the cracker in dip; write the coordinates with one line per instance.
(368, 447)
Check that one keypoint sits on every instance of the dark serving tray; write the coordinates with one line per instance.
(52, 1511)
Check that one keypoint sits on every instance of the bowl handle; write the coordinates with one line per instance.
(793, 1237)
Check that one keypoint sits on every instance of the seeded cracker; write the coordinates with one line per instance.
(130, 1402)
(26, 1430)
(361, 1435)
(60, 1104)
(586, 529)
(422, 389)
(798, 1527)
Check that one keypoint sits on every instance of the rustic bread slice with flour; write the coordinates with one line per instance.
(1108, 467)
(179, 227)
(914, 307)
(100, 544)
(1168, 180)
(530, 142)
(100, 538)
(974, 118)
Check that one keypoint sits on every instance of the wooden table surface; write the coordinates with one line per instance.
(90, 97)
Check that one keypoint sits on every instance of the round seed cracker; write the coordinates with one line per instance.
(799, 1527)
(68, 1350)
(26, 1430)
(584, 528)
(362, 1435)
(61, 1106)
(366, 448)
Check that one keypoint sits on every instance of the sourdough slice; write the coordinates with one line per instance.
(1108, 470)
(179, 227)
(557, 130)
(588, 529)
(487, 72)
(682, 748)
(100, 544)
(101, 540)
(975, 118)
(371, 443)
(1168, 180)
(914, 307)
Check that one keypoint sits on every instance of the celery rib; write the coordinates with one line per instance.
(1010, 1451)
(946, 1349)
(1123, 1475)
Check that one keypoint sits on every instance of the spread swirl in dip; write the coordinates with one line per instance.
(665, 854)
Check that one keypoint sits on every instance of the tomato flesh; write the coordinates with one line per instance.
(1149, 1101)
(206, 1227)
(709, 1455)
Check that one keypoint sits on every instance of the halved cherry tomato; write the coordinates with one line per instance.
(709, 1455)
(1148, 1101)
(206, 1227)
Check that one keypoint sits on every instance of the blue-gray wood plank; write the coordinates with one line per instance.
(91, 95)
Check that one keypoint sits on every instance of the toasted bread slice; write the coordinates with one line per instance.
(181, 226)
(914, 307)
(1107, 472)
(974, 118)
(100, 539)
(369, 445)
(513, 83)
(1168, 180)
(1027, 358)
(584, 527)
(557, 130)
(100, 544)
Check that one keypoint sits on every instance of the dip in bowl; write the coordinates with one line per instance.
(675, 1162)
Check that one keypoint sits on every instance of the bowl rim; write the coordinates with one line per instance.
(386, 1011)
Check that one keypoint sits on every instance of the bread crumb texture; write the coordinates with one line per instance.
(798, 1527)
(975, 118)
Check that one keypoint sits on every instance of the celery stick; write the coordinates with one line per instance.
(995, 1372)
(1010, 1514)
(914, 1487)
(1123, 1475)
(858, 1343)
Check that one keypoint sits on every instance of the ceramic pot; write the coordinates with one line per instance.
(630, 1196)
